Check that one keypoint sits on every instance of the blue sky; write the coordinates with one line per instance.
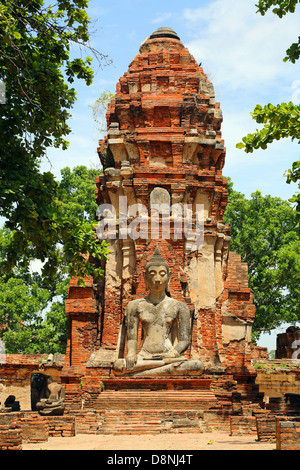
(242, 54)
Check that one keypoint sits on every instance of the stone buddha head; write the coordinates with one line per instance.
(157, 274)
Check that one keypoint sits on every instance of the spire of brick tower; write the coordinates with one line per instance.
(164, 144)
(164, 32)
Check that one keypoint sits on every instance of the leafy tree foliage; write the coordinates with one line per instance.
(78, 192)
(281, 8)
(37, 70)
(282, 120)
(100, 109)
(264, 233)
(31, 306)
(32, 315)
(27, 326)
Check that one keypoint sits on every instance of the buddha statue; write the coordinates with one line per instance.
(11, 404)
(54, 405)
(166, 325)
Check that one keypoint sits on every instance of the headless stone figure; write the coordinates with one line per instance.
(54, 405)
(166, 324)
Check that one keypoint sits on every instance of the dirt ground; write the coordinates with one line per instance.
(206, 441)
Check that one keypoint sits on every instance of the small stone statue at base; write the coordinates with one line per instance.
(54, 405)
(11, 404)
(166, 324)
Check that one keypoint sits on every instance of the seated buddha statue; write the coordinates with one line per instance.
(54, 405)
(166, 325)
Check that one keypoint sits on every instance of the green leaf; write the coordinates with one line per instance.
(17, 35)
(240, 145)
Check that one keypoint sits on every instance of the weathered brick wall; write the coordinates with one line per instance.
(15, 374)
(81, 310)
(10, 436)
(238, 314)
(36, 428)
(266, 428)
(241, 425)
(19, 427)
(288, 434)
(140, 422)
(276, 378)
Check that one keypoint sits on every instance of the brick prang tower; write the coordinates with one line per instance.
(164, 139)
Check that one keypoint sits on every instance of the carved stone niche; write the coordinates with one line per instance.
(38, 388)
(54, 403)
(159, 196)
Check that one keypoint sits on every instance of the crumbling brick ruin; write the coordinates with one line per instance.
(164, 137)
(164, 145)
(288, 343)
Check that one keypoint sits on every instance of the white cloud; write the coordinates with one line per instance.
(162, 17)
(242, 53)
(243, 48)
